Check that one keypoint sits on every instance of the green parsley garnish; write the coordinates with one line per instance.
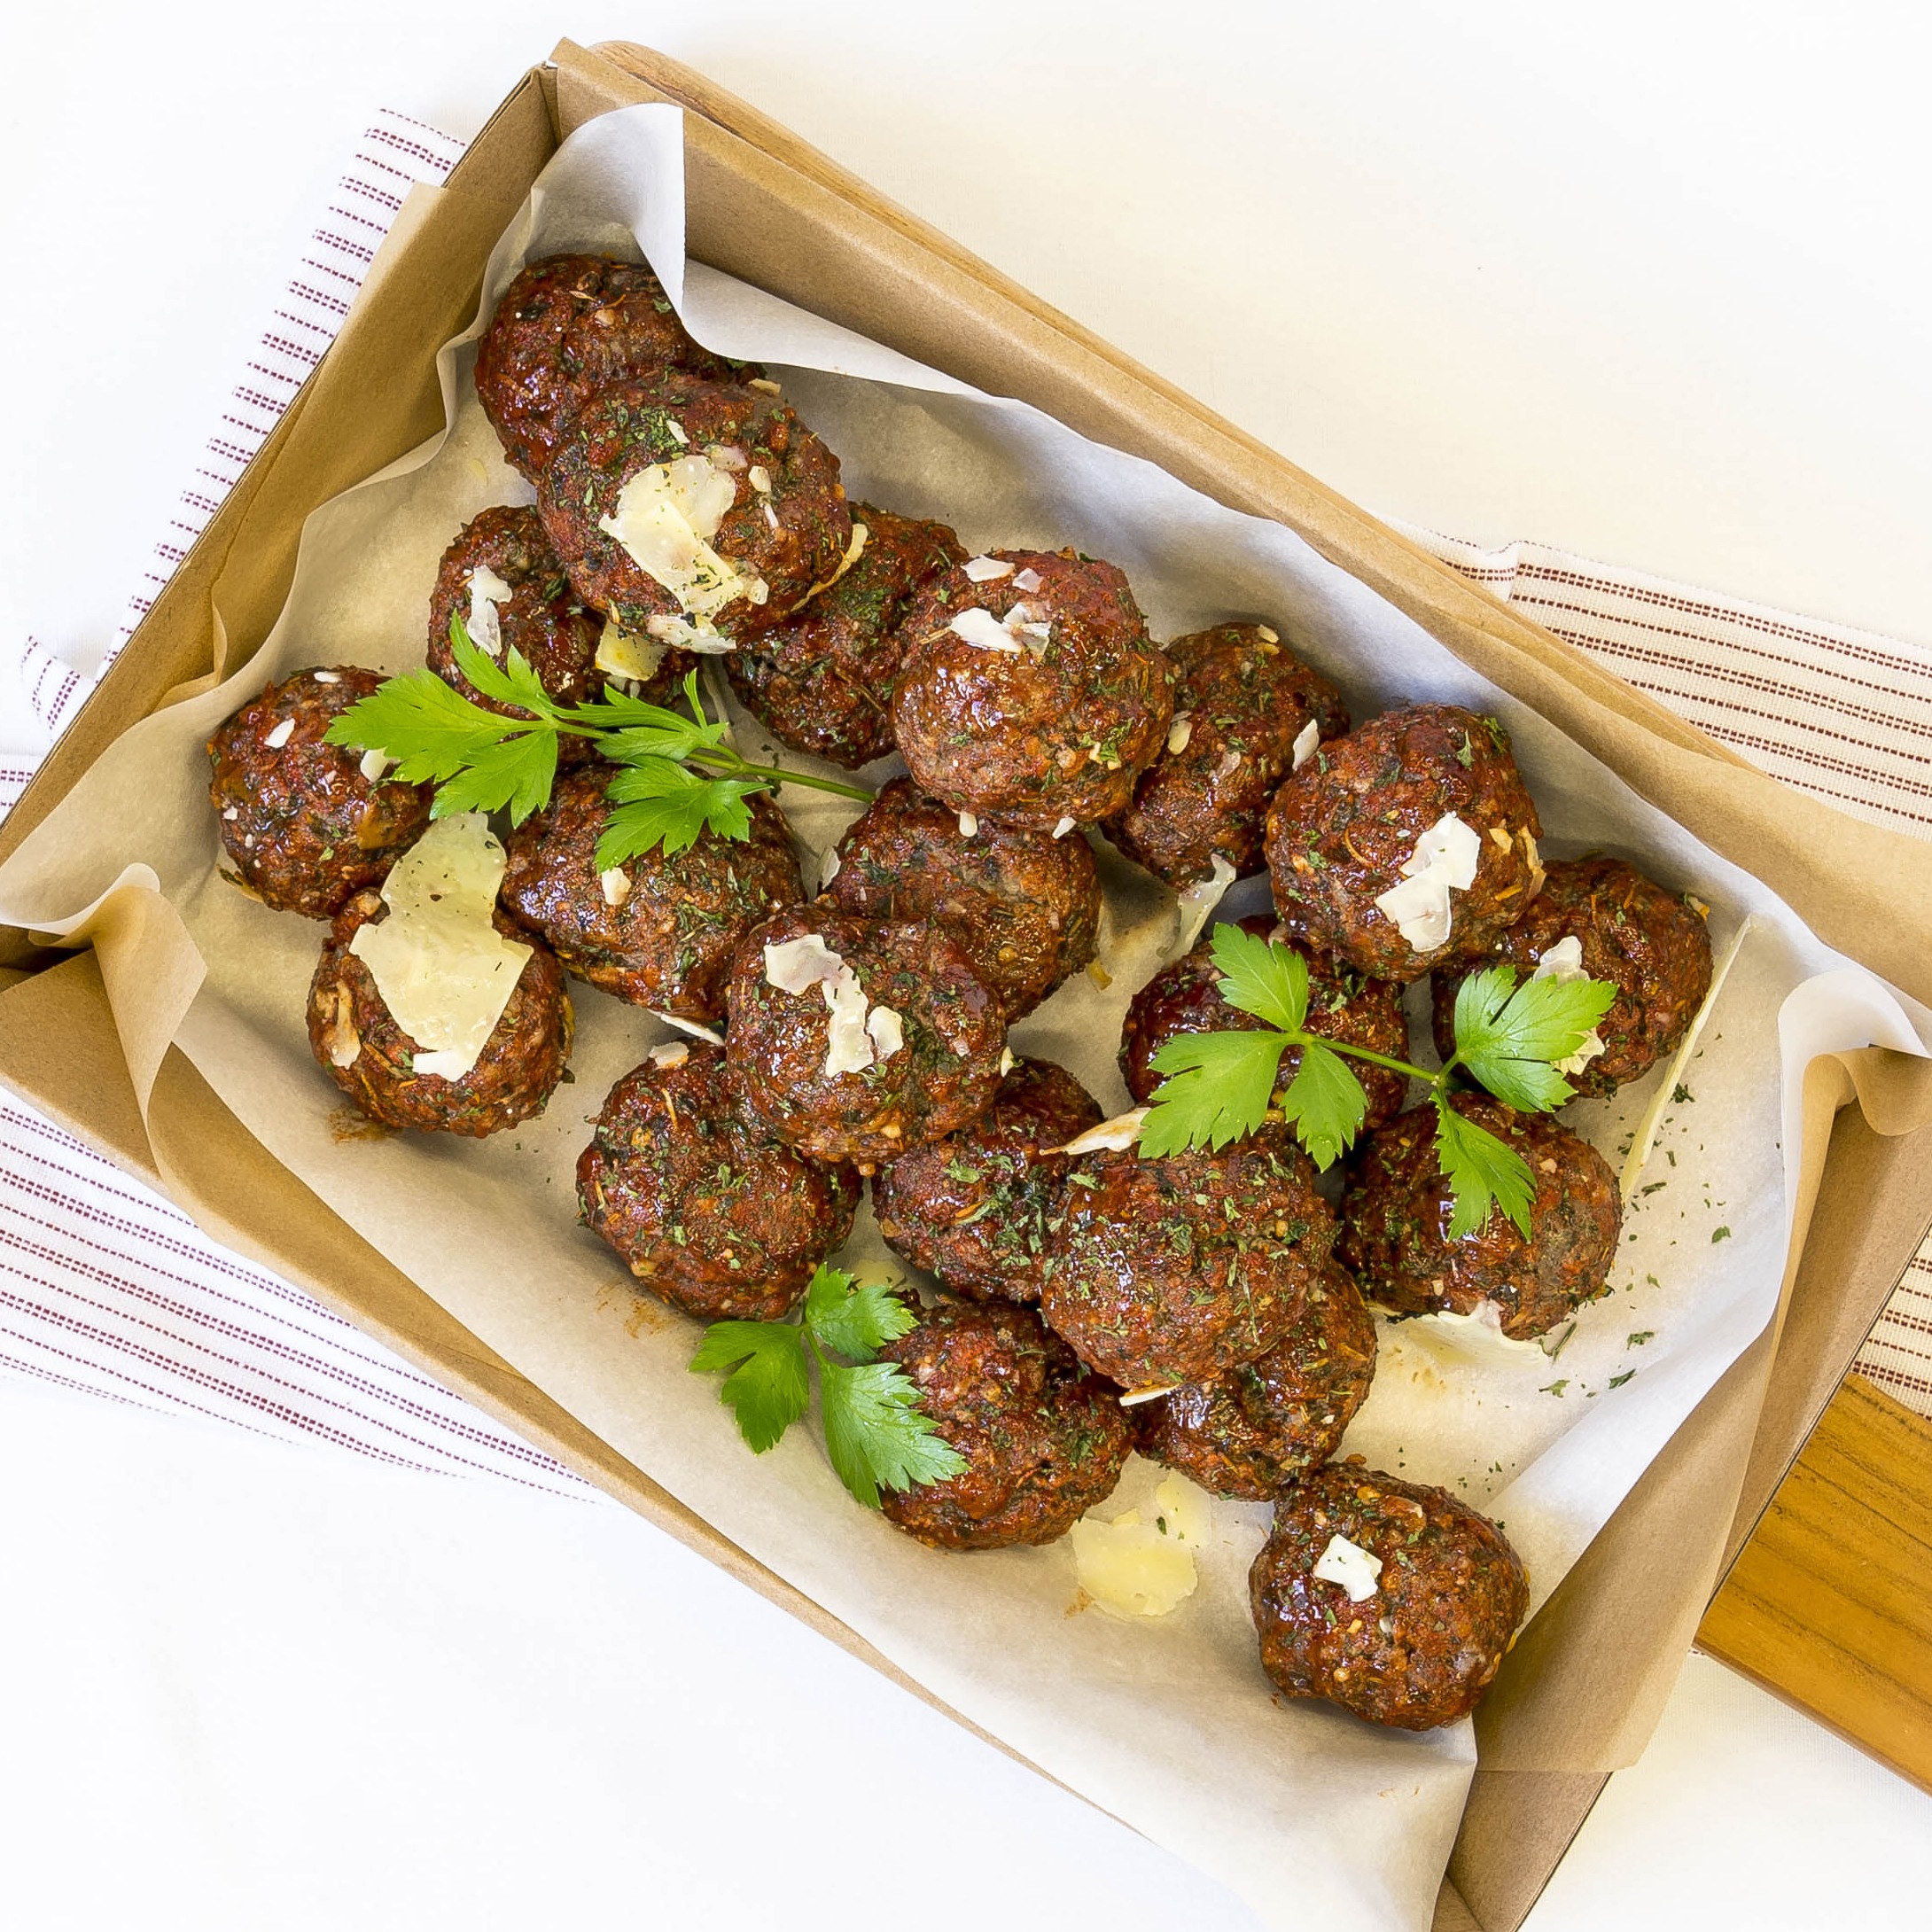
(1220, 1086)
(678, 775)
(877, 1433)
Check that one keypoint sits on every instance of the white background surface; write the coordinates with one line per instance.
(1650, 287)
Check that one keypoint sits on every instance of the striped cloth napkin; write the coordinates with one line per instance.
(106, 1287)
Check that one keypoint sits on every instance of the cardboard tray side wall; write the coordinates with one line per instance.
(764, 206)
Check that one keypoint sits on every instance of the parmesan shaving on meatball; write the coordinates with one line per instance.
(666, 514)
(1445, 860)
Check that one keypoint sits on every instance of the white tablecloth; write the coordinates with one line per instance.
(1491, 283)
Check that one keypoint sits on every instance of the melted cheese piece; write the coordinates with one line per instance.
(622, 654)
(1356, 1570)
(443, 969)
(1563, 962)
(1132, 1568)
(488, 590)
(1445, 858)
(665, 518)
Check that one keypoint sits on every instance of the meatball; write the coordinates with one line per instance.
(822, 680)
(1247, 713)
(1171, 1270)
(1255, 1426)
(1184, 997)
(361, 1048)
(1395, 1234)
(564, 328)
(1024, 908)
(1645, 941)
(1033, 694)
(889, 1042)
(305, 823)
(973, 1209)
(1044, 1441)
(1415, 1636)
(703, 1207)
(503, 578)
(755, 494)
(660, 929)
(1342, 829)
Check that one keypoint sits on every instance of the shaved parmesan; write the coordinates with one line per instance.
(969, 826)
(887, 1030)
(1021, 628)
(443, 969)
(1195, 904)
(1445, 858)
(665, 518)
(855, 1039)
(285, 730)
(759, 477)
(1229, 764)
(688, 635)
(1266, 635)
(766, 384)
(374, 764)
(798, 965)
(1562, 962)
(1459, 1339)
(343, 1044)
(488, 590)
(1008, 1061)
(1111, 1136)
(1027, 580)
(730, 456)
(1356, 1570)
(623, 654)
(848, 1041)
(1306, 740)
(833, 864)
(1179, 732)
(1131, 1568)
(983, 570)
(326, 677)
(615, 885)
(669, 1052)
(687, 1026)
(1065, 826)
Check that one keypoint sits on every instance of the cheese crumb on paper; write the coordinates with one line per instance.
(443, 969)
(1133, 1568)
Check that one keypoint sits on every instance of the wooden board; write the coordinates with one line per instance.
(1830, 1604)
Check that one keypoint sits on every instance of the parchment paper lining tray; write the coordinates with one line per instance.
(1168, 1725)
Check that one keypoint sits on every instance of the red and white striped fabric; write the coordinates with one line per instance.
(106, 1287)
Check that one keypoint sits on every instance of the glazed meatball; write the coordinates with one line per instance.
(821, 681)
(1174, 1269)
(1650, 944)
(1044, 1441)
(701, 1204)
(1414, 1642)
(660, 929)
(973, 1209)
(889, 1042)
(1254, 1427)
(564, 328)
(743, 473)
(1023, 907)
(1247, 713)
(1033, 694)
(1184, 997)
(1395, 1222)
(506, 582)
(304, 822)
(359, 1045)
(1342, 829)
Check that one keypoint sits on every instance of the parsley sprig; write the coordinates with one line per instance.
(877, 1433)
(677, 776)
(1220, 1086)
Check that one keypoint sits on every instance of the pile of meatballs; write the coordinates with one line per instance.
(1209, 1309)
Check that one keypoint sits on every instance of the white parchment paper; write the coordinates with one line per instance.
(1168, 1724)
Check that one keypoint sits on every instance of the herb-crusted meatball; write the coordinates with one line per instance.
(1174, 1269)
(1184, 997)
(658, 930)
(1029, 689)
(705, 1207)
(359, 1045)
(1602, 919)
(1395, 1223)
(1023, 907)
(563, 329)
(1044, 1441)
(1427, 1608)
(822, 679)
(305, 822)
(1248, 712)
(1252, 1428)
(973, 1209)
(858, 1038)
(1432, 789)
(693, 511)
(501, 577)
